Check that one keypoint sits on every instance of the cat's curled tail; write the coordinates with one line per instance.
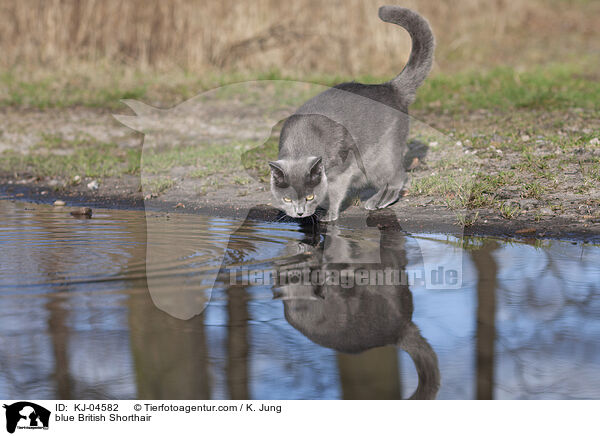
(426, 363)
(421, 55)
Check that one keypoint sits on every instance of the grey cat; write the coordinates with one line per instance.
(353, 317)
(352, 138)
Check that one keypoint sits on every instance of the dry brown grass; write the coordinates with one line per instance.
(307, 36)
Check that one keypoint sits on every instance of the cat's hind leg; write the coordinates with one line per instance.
(383, 198)
(388, 194)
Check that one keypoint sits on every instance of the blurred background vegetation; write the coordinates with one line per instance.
(93, 52)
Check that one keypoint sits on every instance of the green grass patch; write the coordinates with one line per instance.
(509, 210)
(200, 160)
(551, 87)
(533, 189)
(158, 185)
(53, 90)
(471, 191)
(87, 159)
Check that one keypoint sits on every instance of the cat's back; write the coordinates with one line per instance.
(382, 93)
(355, 97)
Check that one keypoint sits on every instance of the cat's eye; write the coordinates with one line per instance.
(287, 199)
(310, 197)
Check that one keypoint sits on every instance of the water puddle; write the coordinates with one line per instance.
(294, 312)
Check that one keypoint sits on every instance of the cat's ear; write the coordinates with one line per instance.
(278, 173)
(315, 171)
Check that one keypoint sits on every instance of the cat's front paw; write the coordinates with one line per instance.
(329, 216)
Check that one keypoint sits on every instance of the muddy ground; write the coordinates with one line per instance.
(525, 174)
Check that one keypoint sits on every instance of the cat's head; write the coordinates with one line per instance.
(298, 185)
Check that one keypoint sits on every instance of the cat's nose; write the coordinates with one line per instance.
(300, 213)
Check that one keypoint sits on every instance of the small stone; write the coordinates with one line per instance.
(180, 205)
(524, 231)
(82, 212)
(528, 203)
(546, 211)
(459, 143)
(525, 138)
(93, 185)
(26, 181)
(595, 141)
(20, 194)
(59, 203)
(76, 180)
(44, 193)
(433, 144)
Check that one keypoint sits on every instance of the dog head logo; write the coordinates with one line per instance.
(26, 415)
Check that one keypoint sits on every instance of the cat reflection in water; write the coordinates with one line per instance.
(351, 316)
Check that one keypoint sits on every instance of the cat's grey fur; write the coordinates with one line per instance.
(358, 317)
(352, 137)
